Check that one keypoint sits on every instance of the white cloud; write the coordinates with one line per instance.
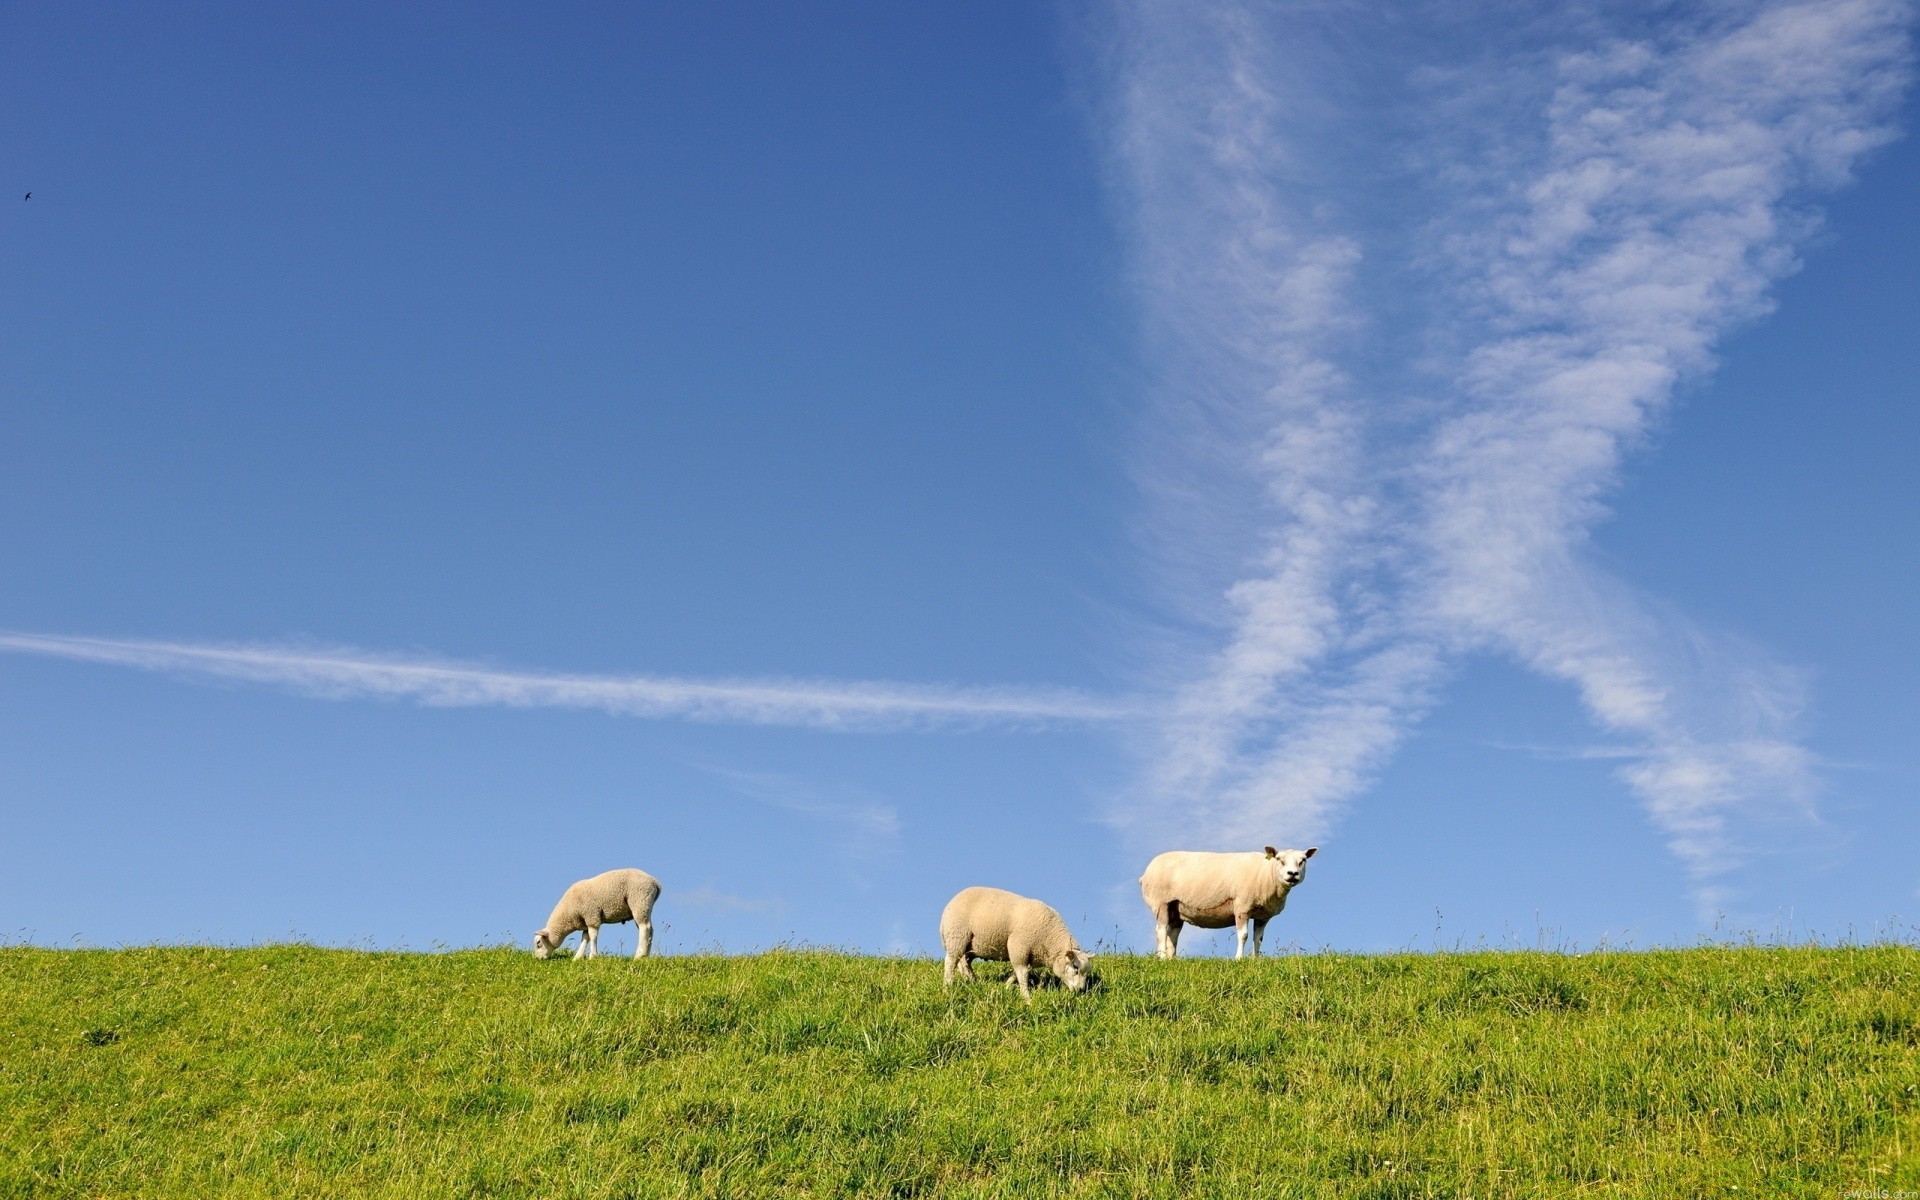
(338, 674)
(1258, 458)
(1407, 338)
(1672, 194)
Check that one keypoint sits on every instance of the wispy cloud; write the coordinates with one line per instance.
(339, 674)
(711, 899)
(1677, 169)
(868, 828)
(1418, 284)
(1261, 458)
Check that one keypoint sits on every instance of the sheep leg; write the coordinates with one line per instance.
(1259, 934)
(1021, 972)
(959, 962)
(1239, 935)
(1166, 929)
(589, 939)
(643, 933)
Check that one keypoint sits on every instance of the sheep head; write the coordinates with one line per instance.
(542, 944)
(1071, 968)
(1292, 864)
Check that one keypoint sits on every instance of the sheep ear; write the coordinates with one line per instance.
(1311, 851)
(1272, 853)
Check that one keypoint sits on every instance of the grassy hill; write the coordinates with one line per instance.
(294, 1071)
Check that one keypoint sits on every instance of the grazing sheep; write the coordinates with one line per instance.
(1217, 890)
(612, 897)
(984, 922)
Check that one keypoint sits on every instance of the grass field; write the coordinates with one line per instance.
(294, 1071)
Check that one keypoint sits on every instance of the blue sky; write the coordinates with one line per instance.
(832, 460)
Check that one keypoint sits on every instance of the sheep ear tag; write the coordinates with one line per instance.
(1272, 853)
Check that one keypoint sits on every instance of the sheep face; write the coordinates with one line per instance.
(542, 944)
(1071, 967)
(1292, 863)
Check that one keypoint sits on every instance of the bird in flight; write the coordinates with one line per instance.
(28, 196)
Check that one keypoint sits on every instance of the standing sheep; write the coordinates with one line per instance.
(612, 897)
(1217, 890)
(984, 922)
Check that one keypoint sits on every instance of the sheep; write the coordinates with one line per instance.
(1215, 890)
(984, 922)
(614, 896)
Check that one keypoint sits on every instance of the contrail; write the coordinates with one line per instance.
(350, 674)
(1416, 283)
(1249, 295)
(1672, 193)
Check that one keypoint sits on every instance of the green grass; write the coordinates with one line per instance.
(294, 1071)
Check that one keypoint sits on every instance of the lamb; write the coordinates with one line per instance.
(614, 896)
(1215, 890)
(984, 922)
